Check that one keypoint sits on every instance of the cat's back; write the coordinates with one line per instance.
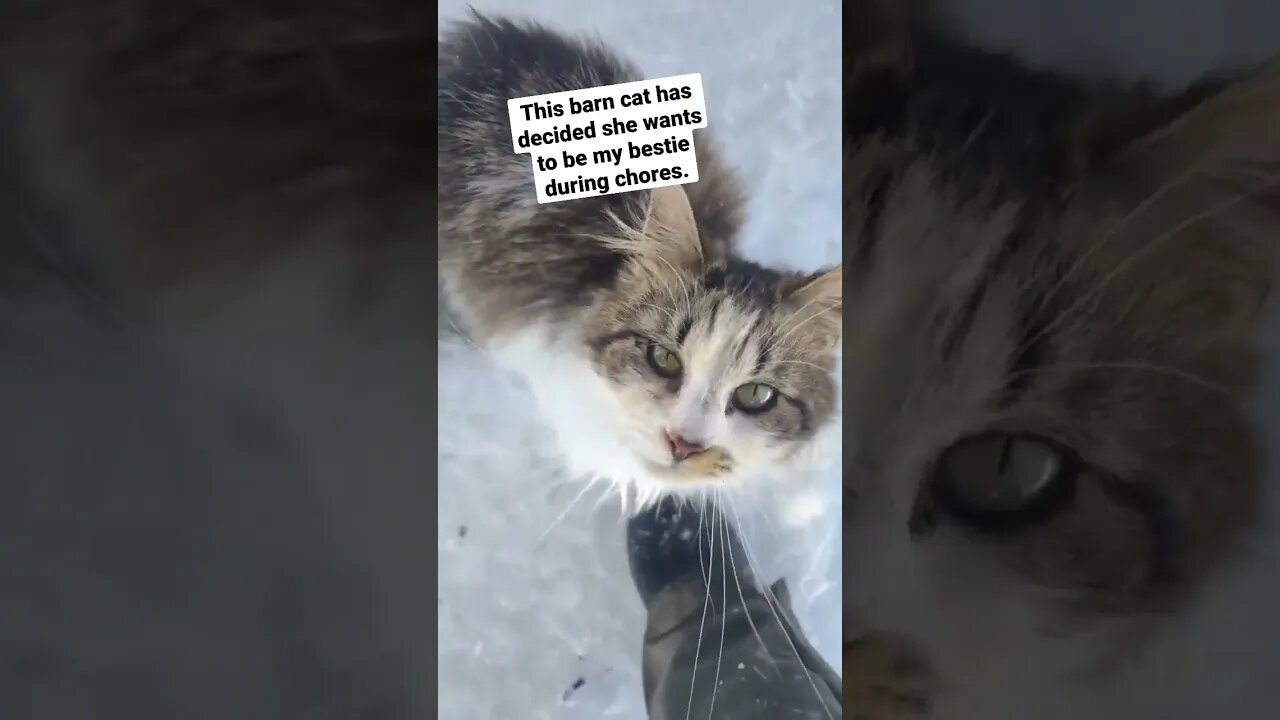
(493, 232)
(489, 218)
(486, 61)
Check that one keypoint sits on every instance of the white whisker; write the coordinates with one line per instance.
(773, 604)
(724, 608)
(733, 567)
(564, 513)
(697, 650)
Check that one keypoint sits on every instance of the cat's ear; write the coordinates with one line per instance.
(665, 240)
(815, 303)
(1228, 137)
(1200, 192)
(670, 229)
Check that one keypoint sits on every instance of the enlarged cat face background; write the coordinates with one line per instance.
(1054, 298)
(723, 369)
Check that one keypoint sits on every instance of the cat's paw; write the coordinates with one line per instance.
(886, 679)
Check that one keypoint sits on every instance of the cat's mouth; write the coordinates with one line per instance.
(711, 463)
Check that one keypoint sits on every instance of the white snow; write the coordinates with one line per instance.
(521, 620)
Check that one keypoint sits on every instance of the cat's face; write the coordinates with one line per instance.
(1047, 455)
(1030, 487)
(721, 370)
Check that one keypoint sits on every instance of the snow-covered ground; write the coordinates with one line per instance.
(523, 621)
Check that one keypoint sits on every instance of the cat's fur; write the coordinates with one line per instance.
(572, 294)
(200, 141)
(1036, 256)
(238, 531)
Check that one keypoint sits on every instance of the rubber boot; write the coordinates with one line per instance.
(717, 646)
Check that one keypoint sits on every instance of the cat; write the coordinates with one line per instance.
(664, 361)
(1054, 491)
(220, 150)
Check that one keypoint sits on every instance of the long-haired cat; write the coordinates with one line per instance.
(212, 146)
(664, 361)
(1057, 290)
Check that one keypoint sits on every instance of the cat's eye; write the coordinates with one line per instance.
(754, 397)
(663, 361)
(999, 481)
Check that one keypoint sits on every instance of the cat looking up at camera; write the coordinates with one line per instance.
(663, 361)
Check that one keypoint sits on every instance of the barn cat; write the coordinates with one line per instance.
(664, 361)
(210, 145)
(1055, 497)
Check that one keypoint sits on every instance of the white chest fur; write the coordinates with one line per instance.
(581, 409)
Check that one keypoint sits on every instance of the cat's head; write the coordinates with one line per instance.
(1054, 296)
(722, 369)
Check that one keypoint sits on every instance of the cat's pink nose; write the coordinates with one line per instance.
(682, 447)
